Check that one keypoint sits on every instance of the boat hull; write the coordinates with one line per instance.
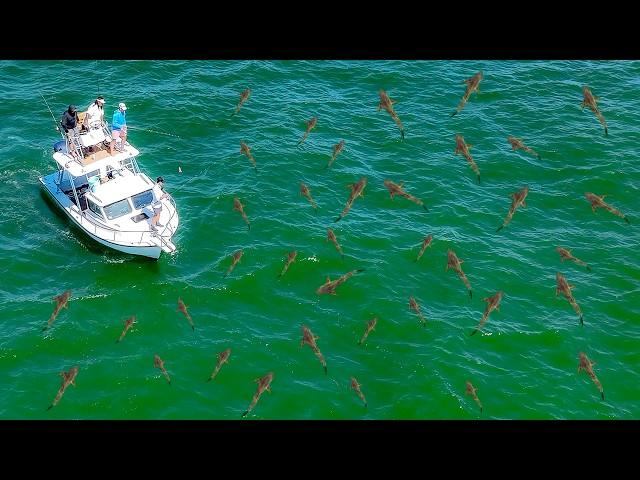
(150, 251)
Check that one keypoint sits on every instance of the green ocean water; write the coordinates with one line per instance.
(524, 361)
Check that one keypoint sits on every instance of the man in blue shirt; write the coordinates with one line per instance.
(118, 126)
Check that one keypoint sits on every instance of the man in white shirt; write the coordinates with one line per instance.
(95, 114)
(158, 194)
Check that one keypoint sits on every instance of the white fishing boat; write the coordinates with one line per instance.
(108, 197)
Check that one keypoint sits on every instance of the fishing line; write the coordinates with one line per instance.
(154, 131)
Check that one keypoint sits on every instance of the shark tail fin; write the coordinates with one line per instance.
(50, 407)
(471, 294)
(602, 394)
(245, 414)
(581, 320)
(474, 332)
(478, 179)
(402, 133)
(325, 369)
(588, 268)
(626, 219)
(454, 113)
(425, 207)
(500, 228)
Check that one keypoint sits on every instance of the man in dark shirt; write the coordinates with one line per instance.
(69, 122)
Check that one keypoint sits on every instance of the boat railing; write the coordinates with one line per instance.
(167, 224)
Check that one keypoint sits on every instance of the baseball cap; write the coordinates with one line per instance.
(122, 106)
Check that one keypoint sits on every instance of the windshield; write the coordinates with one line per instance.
(117, 209)
(142, 199)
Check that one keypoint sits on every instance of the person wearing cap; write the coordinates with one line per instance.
(118, 126)
(95, 114)
(69, 123)
(158, 195)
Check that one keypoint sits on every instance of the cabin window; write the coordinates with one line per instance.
(117, 209)
(95, 209)
(143, 199)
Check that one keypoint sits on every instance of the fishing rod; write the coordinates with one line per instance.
(52, 116)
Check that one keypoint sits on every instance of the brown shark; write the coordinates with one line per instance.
(371, 325)
(413, 305)
(357, 190)
(387, 104)
(127, 325)
(223, 357)
(566, 255)
(234, 260)
(304, 191)
(471, 390)
(473, 84)
(565, 287)
(183, 308)
(516, 143)
(587, 365)
(309, 338)
(455, 263)
(291, 257)
(463, 148)
(591, 102)
(158, 363)
(238, 207)
(425, 243)
(61, 302)
(395, 189)
(311, 124)
(264, 383)
(329, 287)
(598, 202)
(337, 149)
(356, 386)
(244, 96)
(68, 378)
(517, 200)
(493, 303)
(244, 148)
(332, 236)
